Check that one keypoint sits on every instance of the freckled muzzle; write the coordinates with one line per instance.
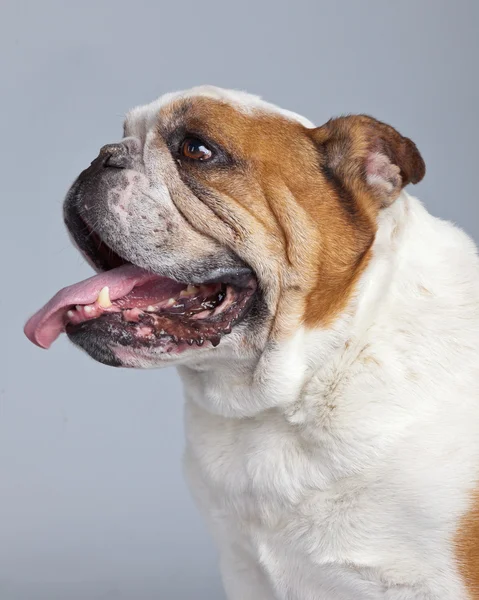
(103, 193)
(122, 208)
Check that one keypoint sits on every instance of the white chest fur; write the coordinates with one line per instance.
(385, 523)
(354, 488)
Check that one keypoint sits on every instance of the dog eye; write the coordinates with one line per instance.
(195, 149)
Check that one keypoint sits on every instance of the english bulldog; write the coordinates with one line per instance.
(325, 327)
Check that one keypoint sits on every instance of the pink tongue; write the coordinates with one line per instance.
(48, 323)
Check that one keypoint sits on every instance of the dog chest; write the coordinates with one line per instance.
(261, 480)
(261, 486)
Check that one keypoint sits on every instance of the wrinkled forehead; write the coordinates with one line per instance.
(170, 108)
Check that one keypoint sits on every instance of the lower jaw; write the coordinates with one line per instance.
(145, 336)
(115, 351)
(111, 353)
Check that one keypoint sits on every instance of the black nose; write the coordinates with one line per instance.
(116, 156)
(122, 155)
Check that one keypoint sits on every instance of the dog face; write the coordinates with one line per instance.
(246, 222)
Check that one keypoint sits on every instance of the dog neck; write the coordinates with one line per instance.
(280, 377)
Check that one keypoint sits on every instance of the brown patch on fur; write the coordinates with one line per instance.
(367, 163)
(467, 548)
(295, 200)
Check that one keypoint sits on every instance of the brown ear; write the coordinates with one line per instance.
(367, 156)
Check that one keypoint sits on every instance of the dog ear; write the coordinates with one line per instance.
(368, 157)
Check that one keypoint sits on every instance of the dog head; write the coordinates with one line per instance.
(220, 224)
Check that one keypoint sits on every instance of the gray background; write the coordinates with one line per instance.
(92, 500)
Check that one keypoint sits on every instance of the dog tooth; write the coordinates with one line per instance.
(150, 308)
(171, 302)
(189, 342)
(70, 314)
(103, 299)
(215, 340)
(88, 309)
(191, 290)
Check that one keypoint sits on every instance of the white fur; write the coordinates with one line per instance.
(143, 118)
(349, 475)
(339, 464)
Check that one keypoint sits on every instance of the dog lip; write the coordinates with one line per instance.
(239, 276)
(90, 244)
(87, 239)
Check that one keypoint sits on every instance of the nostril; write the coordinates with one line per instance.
(115, 161)
(121, 155)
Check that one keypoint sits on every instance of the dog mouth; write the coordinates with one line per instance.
(165, 311)
(126, 305)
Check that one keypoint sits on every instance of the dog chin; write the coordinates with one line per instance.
(112, 354)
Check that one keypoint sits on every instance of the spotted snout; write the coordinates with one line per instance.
(122, 209)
